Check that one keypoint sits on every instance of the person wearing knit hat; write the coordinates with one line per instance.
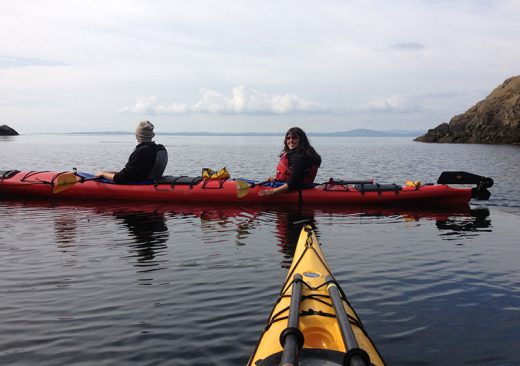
(147, 162)
(144, 131)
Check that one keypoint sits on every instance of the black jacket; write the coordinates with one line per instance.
(300, 166)
(140, 163)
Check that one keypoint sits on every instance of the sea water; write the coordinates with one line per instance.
(104, 283)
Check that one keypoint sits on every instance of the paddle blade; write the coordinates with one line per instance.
(242, 188)
(63, 182)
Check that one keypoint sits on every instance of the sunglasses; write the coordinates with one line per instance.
(292, 137)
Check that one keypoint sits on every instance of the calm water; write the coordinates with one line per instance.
(107, 283)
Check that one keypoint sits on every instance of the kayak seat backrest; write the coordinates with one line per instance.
(6, 174)
(179, 180)
(161, 160)
(376, 187)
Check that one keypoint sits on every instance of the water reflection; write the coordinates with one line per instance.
(7, 138)
(149, 231)
(288, 228)
(472, 224)
(65, 230)
(451, 223)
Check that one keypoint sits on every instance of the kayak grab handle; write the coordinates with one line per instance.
(355, 356)
(291, 338)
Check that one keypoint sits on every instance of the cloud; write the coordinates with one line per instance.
(243, 100)
(394, 103)
(408, 46)
(13, 62)
(149, 105)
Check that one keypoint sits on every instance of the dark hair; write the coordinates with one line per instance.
(303, 147)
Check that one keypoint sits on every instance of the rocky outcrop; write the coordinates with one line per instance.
(5, 130)
(494, 120)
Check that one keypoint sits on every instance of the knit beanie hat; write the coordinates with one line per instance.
(144, 131)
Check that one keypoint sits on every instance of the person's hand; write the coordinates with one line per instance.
(267, 192)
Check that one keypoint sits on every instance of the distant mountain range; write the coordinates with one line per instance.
(361, 132)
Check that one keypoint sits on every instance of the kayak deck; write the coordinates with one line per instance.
(322, 337)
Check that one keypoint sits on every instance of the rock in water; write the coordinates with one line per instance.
(494, 120)
(5, 130)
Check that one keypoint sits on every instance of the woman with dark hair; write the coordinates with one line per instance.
(298, 165)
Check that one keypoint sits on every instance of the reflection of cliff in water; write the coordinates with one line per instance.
(465, 225)
(150, 234)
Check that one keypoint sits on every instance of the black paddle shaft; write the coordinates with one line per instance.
(355, 356)
(292, 338)
(253, 185)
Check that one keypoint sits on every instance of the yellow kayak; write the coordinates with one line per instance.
(312, 323)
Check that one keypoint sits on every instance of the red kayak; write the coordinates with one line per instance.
(169, 189)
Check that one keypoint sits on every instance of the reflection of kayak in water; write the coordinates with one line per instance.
(66, 186)
(312, 321)
(213, 212)
(448, 218)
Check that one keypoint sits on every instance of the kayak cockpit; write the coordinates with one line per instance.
(309, 357)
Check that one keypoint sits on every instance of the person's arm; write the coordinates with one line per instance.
(270, 192)
(299, 165)
(105, 174)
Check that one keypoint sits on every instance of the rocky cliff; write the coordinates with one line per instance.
(5, 130)
(494, 120)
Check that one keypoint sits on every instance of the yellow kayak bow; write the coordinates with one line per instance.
(312, 323)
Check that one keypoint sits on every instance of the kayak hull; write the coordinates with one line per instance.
(318, 322)
(41, 185)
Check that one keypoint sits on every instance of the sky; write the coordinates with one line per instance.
(250, 66)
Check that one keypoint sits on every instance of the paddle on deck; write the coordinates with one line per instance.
(355, 356)
(243, 187)
(67, 180)
(63, 182)
(291, 337)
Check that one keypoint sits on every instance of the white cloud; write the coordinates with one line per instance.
(394, 103)
(14, 62)
(149, 105)
(408, 46)
(65, 64)
(243, 100)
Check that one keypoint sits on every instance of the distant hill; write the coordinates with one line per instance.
(494, 120)
(362, 132)
(350, 133)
